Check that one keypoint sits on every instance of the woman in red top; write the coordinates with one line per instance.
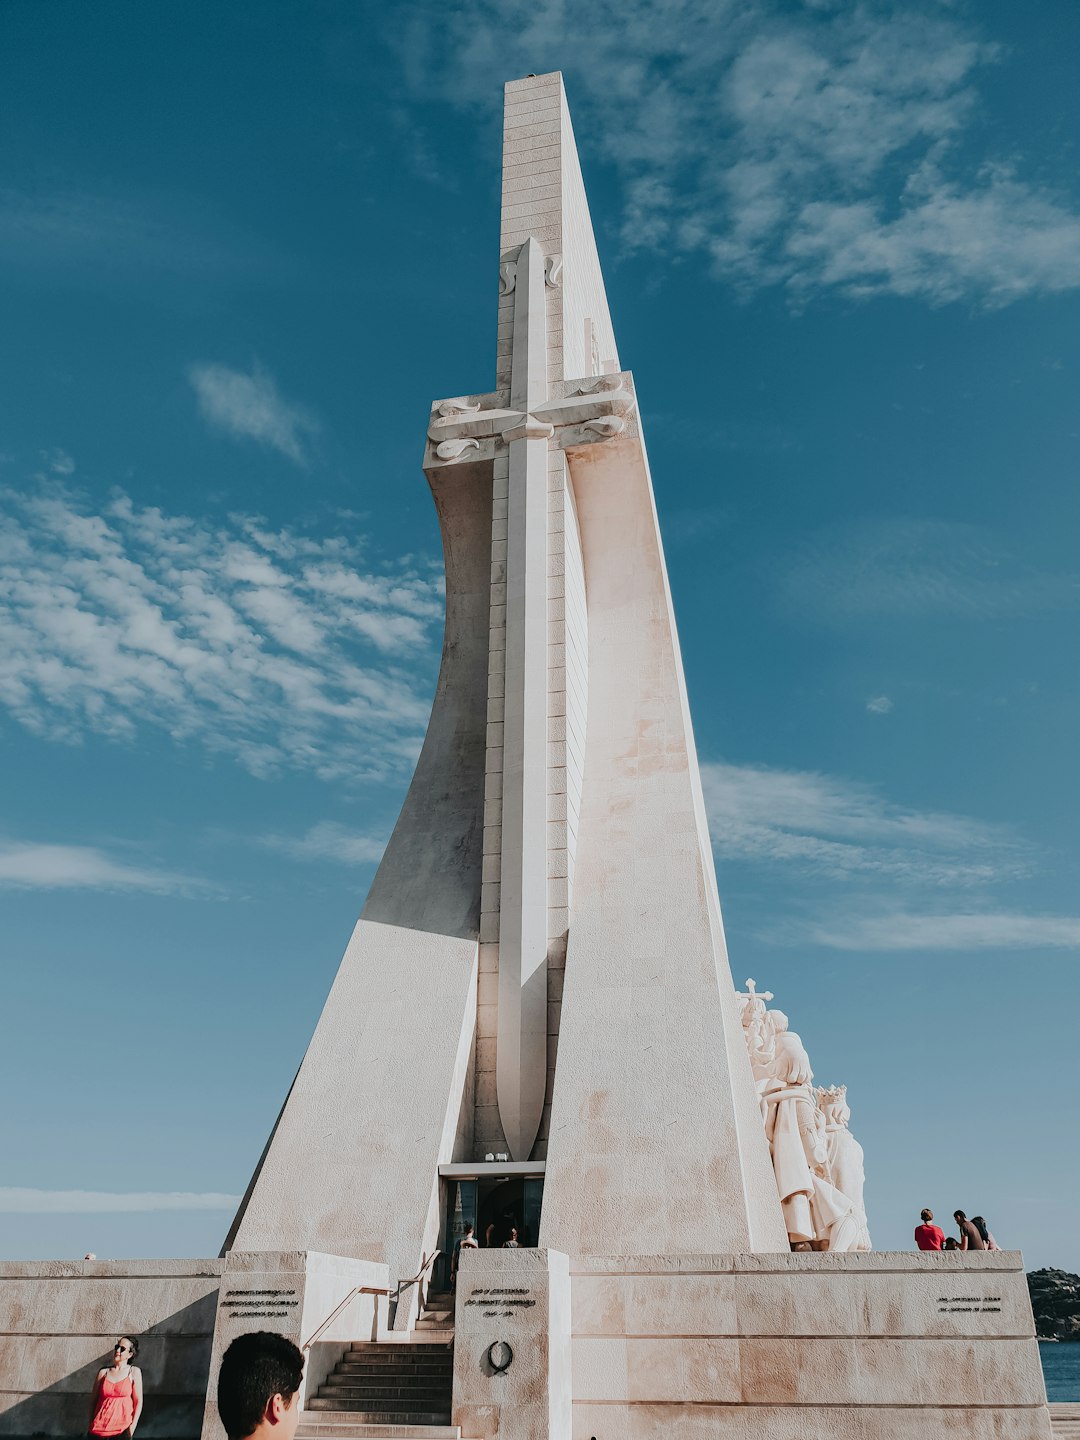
(117, 1399)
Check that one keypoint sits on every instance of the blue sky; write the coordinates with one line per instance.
(243, 247)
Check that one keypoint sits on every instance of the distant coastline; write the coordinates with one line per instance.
(1055, 1299)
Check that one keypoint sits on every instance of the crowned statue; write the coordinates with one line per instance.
(817, 1162)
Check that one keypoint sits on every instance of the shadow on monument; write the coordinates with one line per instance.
(174, 1356)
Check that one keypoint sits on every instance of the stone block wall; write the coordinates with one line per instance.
(58, 1322)
(805, 1347)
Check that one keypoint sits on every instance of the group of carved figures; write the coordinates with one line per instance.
(818, 1163)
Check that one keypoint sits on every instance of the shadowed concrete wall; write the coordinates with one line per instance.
(58, 1322)
(656, 1141)
(381, 1089)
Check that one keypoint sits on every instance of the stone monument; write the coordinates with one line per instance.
(534, 1030)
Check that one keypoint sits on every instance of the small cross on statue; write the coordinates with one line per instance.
(750, 993)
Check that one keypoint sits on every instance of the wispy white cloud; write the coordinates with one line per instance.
(251, 407)
(879, 705)
(329, 840)
(892, 930)
(273, 648)
(841, 829)
(59, 462)
(118, 235)
(31, 866)
(821, 148)
(917, 569)
(16, 1200)
(863, 874)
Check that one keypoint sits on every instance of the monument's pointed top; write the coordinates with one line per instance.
(543, 198)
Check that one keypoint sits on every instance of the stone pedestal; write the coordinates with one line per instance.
(878, 1346)
(295, 1293)
(512, 1345)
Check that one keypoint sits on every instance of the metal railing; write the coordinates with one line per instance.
(375, 1290)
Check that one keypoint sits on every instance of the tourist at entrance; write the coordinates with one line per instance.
(116, 1400)
(970, 1239)
(258, 1387)
(513, 1243)
(468, 1241)
(983, 1229)
(929, 1236)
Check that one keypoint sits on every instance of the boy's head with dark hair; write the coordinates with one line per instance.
(257, 1386)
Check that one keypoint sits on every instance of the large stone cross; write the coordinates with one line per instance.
(534, 421)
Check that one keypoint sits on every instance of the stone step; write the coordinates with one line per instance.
(385, 1347)
(379, 1416)
(401, 1355)
(422, 1396)
(420, 1368)
(322, 1427)
(400, 1380)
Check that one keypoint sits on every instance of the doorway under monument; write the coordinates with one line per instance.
(495, 1196)
(501, 1212)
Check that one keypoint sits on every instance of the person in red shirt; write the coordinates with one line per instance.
(929, 1236)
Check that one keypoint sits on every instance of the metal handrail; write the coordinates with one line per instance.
(429, 1260)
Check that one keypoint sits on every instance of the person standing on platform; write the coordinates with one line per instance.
(116, 1400)
(258, 1389)
(929, 1236)
(970, 1239)
(468, 1241)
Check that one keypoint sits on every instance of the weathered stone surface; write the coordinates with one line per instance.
(796, 1345)
(518, 1299)
(58, 1321)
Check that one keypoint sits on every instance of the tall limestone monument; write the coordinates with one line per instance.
(539, 970)
(534, 1031)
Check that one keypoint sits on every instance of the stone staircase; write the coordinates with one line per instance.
(390, 1390)
(1065, 1421)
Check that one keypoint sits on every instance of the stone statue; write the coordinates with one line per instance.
(815, 1158)
(760, 1040)
(845, 1156)
(798, 1150)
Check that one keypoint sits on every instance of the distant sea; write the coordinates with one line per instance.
(1061, 1369)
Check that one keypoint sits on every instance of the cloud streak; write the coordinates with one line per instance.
(27, 866)
(276, 650)
(841, 829)
(867, 875)
(820, 148)
(251, 407)
(329, 840)
(899, 930)
(16, 1200)
(917, 569)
